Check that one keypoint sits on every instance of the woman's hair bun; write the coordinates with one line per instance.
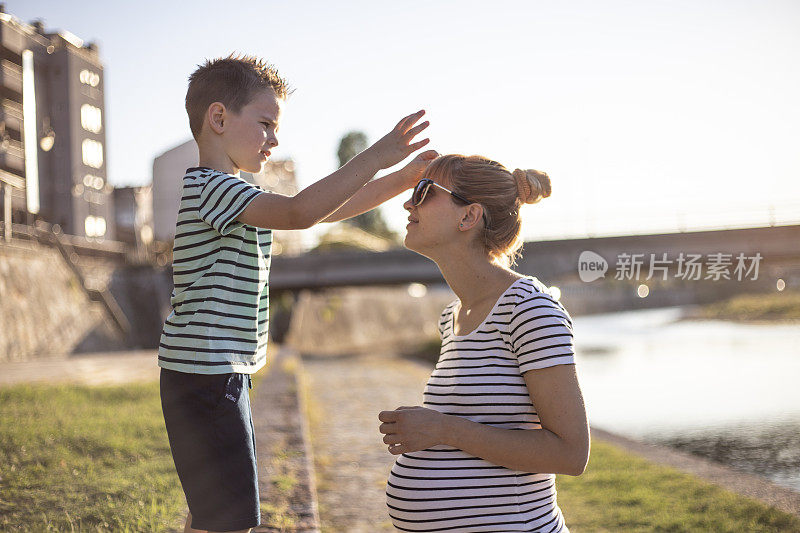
(532, 185)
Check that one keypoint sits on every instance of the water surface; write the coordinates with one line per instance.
(724, 390)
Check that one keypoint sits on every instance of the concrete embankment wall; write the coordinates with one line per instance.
(381, 319)
(45, 311)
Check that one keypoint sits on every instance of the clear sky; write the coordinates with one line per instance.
(647, 115)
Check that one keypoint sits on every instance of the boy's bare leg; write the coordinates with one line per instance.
(187, 527)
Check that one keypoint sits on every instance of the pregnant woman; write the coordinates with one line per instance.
(502, 411)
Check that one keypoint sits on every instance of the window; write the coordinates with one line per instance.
(89, 78)
(92, 153)
(95, 182)
(91, 118)
(95, 226)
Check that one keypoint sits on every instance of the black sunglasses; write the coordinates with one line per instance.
(421, 189)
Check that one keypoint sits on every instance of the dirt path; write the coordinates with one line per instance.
(345, 395)
(285, 473)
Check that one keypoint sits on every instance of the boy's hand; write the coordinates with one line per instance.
(396, 145)
(412, 172)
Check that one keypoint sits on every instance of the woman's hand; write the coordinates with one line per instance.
(412, 172)
(410, 429)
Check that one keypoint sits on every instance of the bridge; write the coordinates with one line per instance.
(779, 247)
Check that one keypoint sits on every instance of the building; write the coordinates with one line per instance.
(52, 130)
(168, 169)
(133, 217)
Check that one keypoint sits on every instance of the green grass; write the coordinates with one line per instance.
(277, 512)
(75, 458)
(755, 307)
(620, 492)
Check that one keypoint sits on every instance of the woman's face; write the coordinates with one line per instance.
(432, 224)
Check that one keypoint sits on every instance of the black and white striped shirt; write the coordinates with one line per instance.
(479, 377)
(220, 301)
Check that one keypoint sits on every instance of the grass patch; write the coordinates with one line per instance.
(277, 516)
(621, 492)
(78, 458)
(772, 306)
(285, 483)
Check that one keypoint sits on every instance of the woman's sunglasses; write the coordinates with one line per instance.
(424, 185)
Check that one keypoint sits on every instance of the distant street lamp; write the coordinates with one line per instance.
(48, 137)
(47, 141)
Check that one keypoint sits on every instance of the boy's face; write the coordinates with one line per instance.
(250, 134)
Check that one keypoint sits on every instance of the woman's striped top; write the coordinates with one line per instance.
(479, 377)
(220, 300)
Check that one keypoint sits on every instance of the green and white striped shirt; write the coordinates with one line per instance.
(220, 302)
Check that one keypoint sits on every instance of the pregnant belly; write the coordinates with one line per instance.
(446, 488)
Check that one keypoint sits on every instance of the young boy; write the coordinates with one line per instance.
(216, 335)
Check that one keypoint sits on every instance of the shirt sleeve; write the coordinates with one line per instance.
(541, 334)
(222, 198)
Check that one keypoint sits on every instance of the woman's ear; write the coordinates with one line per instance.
(473, 214)
(216, 117)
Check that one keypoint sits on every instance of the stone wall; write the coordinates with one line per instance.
(44, 311)
(358, 320)
(143, 293)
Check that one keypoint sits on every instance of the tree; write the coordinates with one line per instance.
(372, 221)
(351, 144)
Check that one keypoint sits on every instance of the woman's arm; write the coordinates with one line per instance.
(560, 447)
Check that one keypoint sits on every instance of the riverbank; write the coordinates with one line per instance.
(771, 308)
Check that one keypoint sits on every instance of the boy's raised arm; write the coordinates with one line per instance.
(317, 201)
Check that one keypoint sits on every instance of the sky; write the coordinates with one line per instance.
(647, 115)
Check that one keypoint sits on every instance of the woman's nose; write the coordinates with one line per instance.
(407, 205)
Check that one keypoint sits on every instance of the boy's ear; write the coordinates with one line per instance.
(216, 117)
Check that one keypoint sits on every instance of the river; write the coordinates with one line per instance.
(724, 390)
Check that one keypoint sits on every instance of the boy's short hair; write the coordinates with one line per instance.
(232, 81)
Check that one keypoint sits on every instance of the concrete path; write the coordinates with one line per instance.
(285, 471)
(345, 395)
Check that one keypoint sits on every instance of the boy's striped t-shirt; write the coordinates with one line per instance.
(220, 301)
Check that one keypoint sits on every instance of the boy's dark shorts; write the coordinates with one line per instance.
(210, 429)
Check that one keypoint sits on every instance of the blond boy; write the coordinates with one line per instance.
(215, 337)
